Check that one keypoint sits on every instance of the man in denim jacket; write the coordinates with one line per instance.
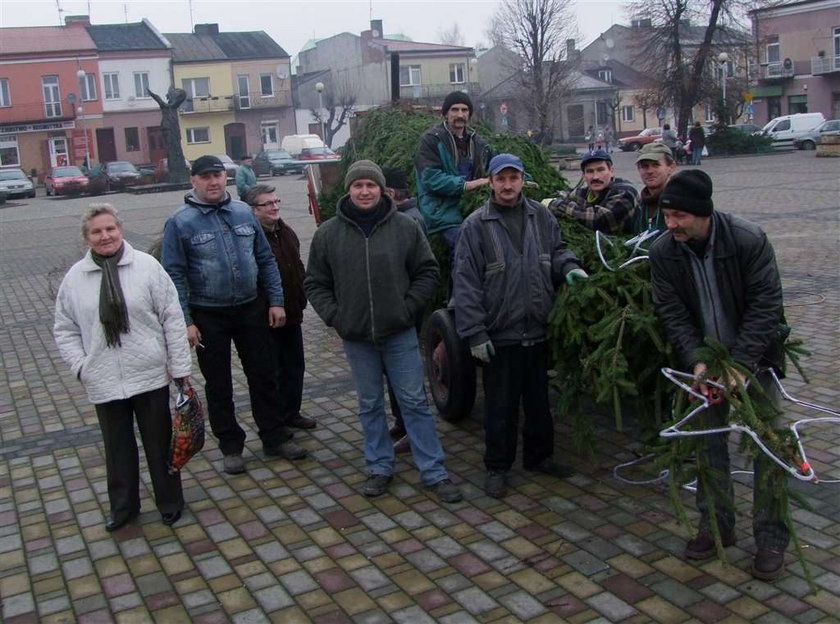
(216, 252)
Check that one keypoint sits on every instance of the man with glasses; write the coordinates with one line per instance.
(286, 341)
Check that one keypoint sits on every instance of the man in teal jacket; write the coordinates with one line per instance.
(245, 176)
(451, 160)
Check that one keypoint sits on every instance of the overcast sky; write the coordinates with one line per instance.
(292, 23)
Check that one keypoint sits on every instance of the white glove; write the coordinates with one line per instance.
(483, 352)
(576, 275)
(547, 201)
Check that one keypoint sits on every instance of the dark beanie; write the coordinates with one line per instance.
(364, 170)
(689, 191)
(395, 178)
(456, 97)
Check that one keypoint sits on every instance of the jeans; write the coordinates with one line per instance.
(769, 529)
(289, 367)
(116, 420)
(399, 357)
(517, 374)
(247, 326)
(696, 153)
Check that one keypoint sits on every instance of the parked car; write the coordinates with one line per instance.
(745, 128)
(14, 183)
(66, 180)
(121, 173)
(230, 166)
(162, 169)
(634, 143)
(318, 153)
(814, 137)
(786, 129)
(276, 162)
(294, 143)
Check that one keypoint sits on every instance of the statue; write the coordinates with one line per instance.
(171, 127)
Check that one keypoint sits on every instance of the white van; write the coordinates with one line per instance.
(783, 130)
(294, 143)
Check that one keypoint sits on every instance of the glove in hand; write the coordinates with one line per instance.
(483, 351)
(576, 275)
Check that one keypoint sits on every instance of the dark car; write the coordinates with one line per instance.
(121, 173)
(634, 143)
(276, 162)
(66, 180)
(318, 153)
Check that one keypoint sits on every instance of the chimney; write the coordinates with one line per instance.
(570, 48)
(376, 29)
(206, 29)
(77, 20)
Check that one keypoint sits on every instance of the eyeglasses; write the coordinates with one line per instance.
(272, 202)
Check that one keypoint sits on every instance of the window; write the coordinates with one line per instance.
(87, 87)
(132, 140)
(628, 113)
(141, 84)
(112, 86)
(409, 75)
(601, 115)
(773, 50)
(5, 96)
(837, 47)
(52, 96)
(266, 85)
(456, 73)
(195, 88)
(9, 154)
(198, 135)
(605, 75)
(797, 104)
(243, 84)
(710, 113)
(269, 133)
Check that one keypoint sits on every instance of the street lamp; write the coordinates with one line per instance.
(319, 87)
(81, 111)
(723, 59)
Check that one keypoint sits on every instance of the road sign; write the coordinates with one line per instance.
(748, 97)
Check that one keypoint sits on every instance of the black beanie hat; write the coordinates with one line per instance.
(364, 170)
(456, 97)
(689, 191)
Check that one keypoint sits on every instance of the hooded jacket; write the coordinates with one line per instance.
(369, 288)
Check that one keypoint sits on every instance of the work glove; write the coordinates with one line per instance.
(547, 201)
(483, 351)
(576, 275)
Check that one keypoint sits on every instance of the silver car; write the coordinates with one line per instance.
(814, 137)
(15, 183)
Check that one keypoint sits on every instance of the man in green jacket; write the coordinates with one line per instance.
(370, 272)
(245, 176)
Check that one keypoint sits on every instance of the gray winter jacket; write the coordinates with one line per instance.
(499, 293)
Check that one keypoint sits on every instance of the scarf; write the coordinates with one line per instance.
(112, 311)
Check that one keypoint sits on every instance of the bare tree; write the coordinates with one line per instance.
(171, 129)
(339, 103)
(537, 31)
(451, 36)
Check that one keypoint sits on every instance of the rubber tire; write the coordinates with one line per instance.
(453, 385)
(809, 145)
(635, 147)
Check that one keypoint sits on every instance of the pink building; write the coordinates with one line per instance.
(798, 50)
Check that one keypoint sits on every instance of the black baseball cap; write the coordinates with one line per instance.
(206, 164)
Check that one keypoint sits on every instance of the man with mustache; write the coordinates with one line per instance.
(715, 275)
(606, 202)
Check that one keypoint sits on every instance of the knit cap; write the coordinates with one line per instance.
(690, 191)
(456, 97)
(364, 170)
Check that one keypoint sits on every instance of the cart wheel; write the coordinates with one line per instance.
(449, 367)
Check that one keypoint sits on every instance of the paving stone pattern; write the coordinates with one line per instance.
(297, 542)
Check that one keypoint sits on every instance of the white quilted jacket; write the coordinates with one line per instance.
(155, 349)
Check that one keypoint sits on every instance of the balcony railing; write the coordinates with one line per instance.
(771, 71)
(825, 64)
(207, 104)
(256, 99)
(436, 91)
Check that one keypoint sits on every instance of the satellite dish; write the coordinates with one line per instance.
(609, 43)
(605, 57)
(281, 72)
(375, 34)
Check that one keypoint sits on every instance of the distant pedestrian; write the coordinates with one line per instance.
(697, 136)
(589, 137)
(119, 326)
(245, 176)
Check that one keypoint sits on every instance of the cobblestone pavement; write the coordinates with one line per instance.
(297, 542)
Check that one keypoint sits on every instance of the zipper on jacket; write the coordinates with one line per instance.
(370, 290)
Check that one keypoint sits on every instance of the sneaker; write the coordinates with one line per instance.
(376, 485)
(495, 484)
(234, 464)
(300, 422)
(553, 469)
(703, 545)
(287, 450)
(403, 445)
(447, 491)
(768, 564)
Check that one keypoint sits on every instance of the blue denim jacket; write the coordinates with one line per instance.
(216, 254)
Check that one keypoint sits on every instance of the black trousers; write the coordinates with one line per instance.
(515, 375)
(769, 529)
(247, 326)
(116, 420)
(289, 367)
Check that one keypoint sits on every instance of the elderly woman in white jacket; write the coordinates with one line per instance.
(119, 326)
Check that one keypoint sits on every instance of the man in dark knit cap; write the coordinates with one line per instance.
(451, 160)
(715, 275)
(370, 272)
